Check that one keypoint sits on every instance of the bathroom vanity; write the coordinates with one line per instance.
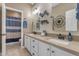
(39, 45)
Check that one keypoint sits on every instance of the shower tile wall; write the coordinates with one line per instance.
(13, 28)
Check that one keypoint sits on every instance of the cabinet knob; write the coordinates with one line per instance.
(33, 46)
(33, 54)
(48, 49)
(52, 51)
(33, 40)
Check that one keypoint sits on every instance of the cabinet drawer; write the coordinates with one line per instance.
(35, 48)
(33, 53)
(34, 41)
(44, 49)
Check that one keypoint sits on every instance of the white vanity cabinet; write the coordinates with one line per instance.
(40, 48)
(44, 49)
(27, 43)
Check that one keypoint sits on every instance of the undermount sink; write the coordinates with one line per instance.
(31, 34)
(59, 41)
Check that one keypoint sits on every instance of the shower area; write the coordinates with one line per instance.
(13, 26)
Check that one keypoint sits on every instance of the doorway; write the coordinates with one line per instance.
(12, 27)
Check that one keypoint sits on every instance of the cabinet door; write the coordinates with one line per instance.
(28, 44)
(25, 41)
(44, 49)
(59, 52)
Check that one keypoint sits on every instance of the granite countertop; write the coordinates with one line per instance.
(72, 47)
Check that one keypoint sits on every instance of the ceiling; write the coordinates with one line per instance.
(45, 4)
(32, 4)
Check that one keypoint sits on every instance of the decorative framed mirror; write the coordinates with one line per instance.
(59, 21)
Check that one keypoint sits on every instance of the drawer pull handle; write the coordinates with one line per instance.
(33, 40)
(33, 54)
(33, 46)
(52, 51)
(48, 49)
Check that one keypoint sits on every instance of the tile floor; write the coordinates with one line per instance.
(16, 50)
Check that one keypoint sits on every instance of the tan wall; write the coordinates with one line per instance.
(12, 13)
(26, 13)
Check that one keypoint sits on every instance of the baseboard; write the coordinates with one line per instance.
(12, 43)
(22, 47)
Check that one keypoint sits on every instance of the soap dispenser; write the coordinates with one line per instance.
(69, 36)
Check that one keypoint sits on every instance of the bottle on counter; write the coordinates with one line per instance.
(69, 36)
